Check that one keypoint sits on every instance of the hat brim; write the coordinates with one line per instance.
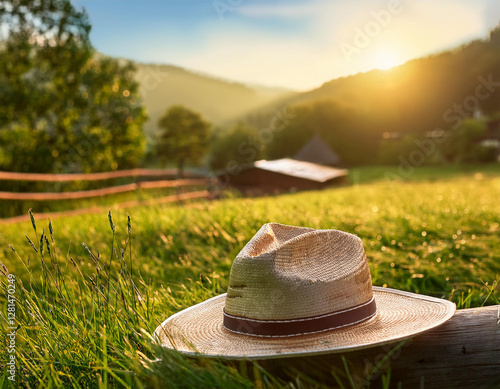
(198, 330)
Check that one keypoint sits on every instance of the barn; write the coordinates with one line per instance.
(286, 175)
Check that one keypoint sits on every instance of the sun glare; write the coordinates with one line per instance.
(386, 59)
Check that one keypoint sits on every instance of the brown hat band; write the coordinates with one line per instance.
(308, 325)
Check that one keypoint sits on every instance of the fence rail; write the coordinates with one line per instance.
(12, 176)
(85, 194)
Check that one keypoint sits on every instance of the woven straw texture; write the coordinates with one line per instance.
(287, 272)
(400, 315)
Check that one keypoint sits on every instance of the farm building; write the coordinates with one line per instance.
(285, 175)
(317, 151)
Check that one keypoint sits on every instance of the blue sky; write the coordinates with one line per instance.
(297, 44)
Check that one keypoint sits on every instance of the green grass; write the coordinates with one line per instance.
(424, 173)
(86, 319)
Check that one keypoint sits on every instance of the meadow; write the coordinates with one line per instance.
(91, 289)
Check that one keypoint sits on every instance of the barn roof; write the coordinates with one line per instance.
(301, 169)
(317, 151)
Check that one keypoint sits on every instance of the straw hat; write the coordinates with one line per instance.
(300, 291)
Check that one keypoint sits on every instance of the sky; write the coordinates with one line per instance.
(293, 44)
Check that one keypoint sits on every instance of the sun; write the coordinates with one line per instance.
(385, 59)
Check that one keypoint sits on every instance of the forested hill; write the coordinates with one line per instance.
(414, 98)
(430, 85)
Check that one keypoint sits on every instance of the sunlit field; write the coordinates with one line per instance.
(86, 313)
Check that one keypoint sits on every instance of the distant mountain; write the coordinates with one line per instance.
(217, 100)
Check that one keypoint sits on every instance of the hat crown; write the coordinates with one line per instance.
(287, 272)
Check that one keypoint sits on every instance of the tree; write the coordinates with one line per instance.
(464, 144)
(346, 128)
(63, 108)
(185, 137)
(239, 145)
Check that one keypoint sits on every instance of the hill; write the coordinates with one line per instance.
(412, 99)
(435, 82)
(216, 99)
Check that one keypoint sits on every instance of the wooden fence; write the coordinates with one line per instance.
(85, 194)
(192, 181)
(88, 176)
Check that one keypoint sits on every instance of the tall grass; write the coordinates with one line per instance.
(86, 312)
(86, 328)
